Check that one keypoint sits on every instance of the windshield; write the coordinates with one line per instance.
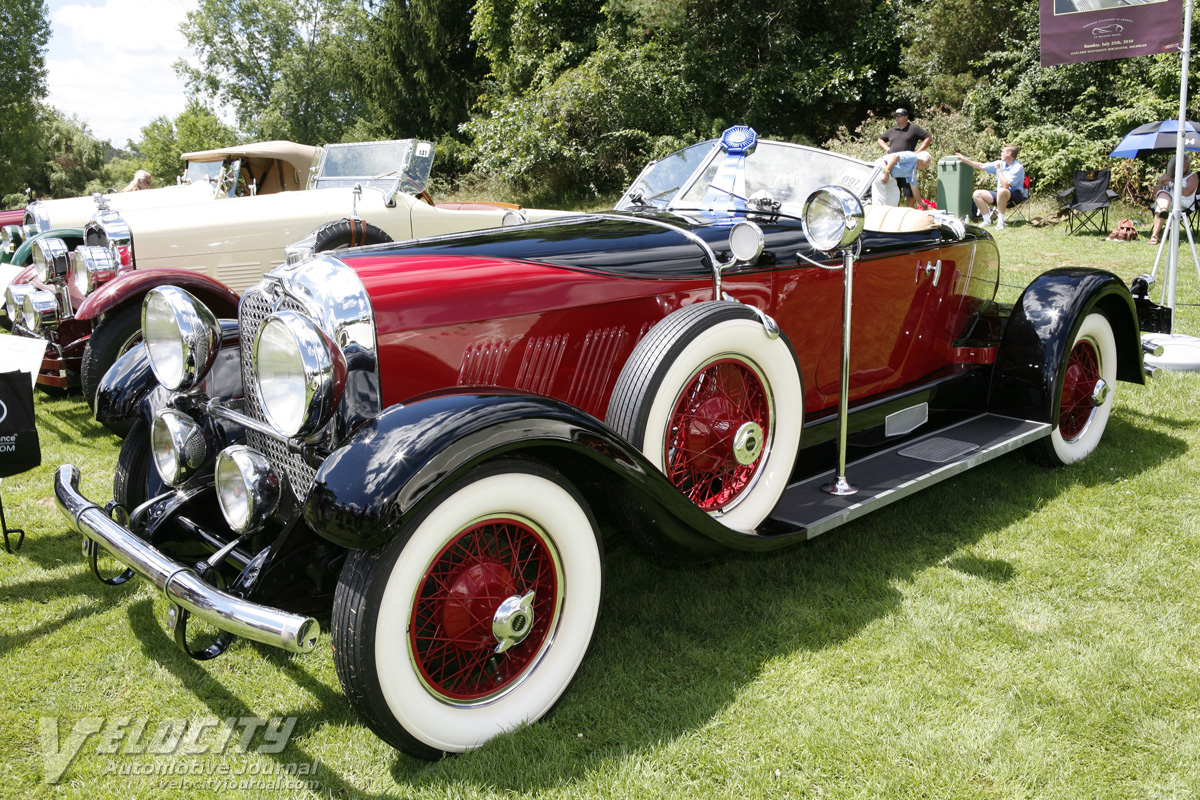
(202, 171)
(705, 177)
(377, 164)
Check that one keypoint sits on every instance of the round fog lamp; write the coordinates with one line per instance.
(300, 373)
(833, 218)
(40, 310)
(182, 337)
(247, 488)
(178, 446)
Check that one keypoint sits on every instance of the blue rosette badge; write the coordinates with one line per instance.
(739, 140)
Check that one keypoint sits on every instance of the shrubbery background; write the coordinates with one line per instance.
(562, 101)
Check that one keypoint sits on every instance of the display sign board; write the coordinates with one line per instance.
(1096, 30)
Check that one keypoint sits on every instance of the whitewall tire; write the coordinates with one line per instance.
(475, 618)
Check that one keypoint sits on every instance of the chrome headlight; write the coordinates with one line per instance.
(90, 267)
(178, 446)
(248, 488)
(182, 337)
(40, 310)
(300, 373)
(51, 260)
(14, 301)
(10, 238)
(833, 218)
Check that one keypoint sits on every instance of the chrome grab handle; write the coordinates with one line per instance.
(931, 267)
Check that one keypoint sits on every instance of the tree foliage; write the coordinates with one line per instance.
(571, 97)
(422, 69)
(70, 155)
(282, 65)
(24, 31)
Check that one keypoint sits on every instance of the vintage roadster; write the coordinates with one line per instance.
(431, 435)
(87, 303)
(258, 168)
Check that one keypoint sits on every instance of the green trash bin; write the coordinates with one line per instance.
(956, 183)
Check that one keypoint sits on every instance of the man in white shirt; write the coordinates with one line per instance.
(1010, 184)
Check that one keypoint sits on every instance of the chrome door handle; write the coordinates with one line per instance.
(936, 269)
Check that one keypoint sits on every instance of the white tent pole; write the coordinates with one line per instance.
(1177, 191)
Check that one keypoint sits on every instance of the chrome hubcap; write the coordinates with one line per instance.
(748, 443)
(513, 621)
(1100, 392)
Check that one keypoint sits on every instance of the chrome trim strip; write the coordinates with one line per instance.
(259, 623)
(214, 409)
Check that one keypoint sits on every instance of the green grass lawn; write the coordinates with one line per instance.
(1015, 632)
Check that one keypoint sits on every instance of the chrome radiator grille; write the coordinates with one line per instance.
(252, 312)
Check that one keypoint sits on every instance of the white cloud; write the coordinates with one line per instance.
(111, 63)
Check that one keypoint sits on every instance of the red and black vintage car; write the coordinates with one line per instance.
(429, 436)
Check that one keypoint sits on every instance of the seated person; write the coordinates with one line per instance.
(1010, 185)
(903, 167)
(1164, 189)
(140, 180)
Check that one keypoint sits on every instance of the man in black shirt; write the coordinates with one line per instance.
(901, 137)
(904, 135)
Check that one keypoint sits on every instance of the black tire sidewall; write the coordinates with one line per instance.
(347, 233)
(104, 347)
(136, 479)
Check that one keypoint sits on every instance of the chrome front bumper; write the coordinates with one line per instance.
(292, 632)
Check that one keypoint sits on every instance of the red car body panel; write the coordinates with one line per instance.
(565, 332)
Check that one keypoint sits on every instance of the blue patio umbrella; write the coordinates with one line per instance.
(1157, 137)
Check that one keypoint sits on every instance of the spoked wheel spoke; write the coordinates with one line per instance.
(1078, 407)
(724, 399)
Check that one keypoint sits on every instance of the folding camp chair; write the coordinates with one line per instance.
(1089, 210)
(1017, 212)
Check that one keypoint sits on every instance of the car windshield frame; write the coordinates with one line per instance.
(788, 173)
(402, 165)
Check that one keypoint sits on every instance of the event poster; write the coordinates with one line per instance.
(1096, 30)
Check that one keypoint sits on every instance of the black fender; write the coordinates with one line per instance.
(396, 462)
(129, 389)
(1042, 326)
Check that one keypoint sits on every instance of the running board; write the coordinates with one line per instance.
(893, 474)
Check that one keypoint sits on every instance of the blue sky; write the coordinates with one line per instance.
(109, 62)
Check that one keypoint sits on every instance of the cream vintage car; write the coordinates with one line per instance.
(87, 304)
(259, 168)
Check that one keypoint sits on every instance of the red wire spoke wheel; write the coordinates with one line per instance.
(1085, 389)
(718, 430)
(462, 602)
(1077, 406)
